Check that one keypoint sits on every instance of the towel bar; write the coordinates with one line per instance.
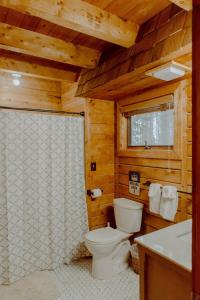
(148, 182)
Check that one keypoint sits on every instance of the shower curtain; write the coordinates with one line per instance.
(43, 214)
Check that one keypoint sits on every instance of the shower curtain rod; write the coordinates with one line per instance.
(43, 110)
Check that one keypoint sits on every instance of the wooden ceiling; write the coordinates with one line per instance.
(133, 10)
(54, 32)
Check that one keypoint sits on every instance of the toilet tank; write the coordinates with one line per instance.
(128, 215)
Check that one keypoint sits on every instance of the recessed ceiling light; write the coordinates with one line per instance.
(169, 71)
(16, 77)
(16, 82)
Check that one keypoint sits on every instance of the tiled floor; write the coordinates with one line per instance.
(77, 284)
(73, 282)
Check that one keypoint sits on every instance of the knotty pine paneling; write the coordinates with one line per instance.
(99, 148)
(31, 93)
(173, 172)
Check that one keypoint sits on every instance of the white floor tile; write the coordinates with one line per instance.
(77, 284)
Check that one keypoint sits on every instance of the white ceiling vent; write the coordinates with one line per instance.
(169, 71)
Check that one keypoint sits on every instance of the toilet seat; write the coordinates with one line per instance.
(106, 235)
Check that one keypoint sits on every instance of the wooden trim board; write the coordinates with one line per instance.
(196, 149)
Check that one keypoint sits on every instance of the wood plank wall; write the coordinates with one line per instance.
(156, 170)
(31, 93)
(99, 148)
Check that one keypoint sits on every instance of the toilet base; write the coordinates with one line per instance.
(105, 267)
(102, 267)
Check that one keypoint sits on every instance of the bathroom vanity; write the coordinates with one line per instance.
(165, 261)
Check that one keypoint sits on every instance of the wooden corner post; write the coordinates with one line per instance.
(196, 149)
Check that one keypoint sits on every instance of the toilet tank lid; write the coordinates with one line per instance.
(127, 203)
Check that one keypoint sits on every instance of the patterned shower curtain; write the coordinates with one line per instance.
(43, 214)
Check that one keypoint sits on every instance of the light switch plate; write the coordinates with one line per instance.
(93, 166)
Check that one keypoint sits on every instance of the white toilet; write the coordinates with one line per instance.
(110, 247)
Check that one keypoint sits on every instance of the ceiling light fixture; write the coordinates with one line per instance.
(16, 80)
(169, 71)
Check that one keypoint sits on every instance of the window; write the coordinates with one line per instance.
(153, 127)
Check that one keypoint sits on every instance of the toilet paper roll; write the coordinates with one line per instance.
(95, 193)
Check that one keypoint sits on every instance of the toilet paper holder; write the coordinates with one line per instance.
(90, 194)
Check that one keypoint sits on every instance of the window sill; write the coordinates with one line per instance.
(150, 153)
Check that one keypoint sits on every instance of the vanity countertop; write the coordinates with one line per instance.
(173, 243)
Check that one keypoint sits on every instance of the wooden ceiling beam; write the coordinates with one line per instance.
(39, 61)
(39, 45)
(80, 16)
(185, 4)
(10, 65)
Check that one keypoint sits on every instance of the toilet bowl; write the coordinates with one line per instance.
(104, 244)
(110, 247)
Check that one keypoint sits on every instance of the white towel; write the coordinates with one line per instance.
(169, 202)
(154, 197)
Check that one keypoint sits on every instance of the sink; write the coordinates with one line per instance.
(173, 243)
(186, 237)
